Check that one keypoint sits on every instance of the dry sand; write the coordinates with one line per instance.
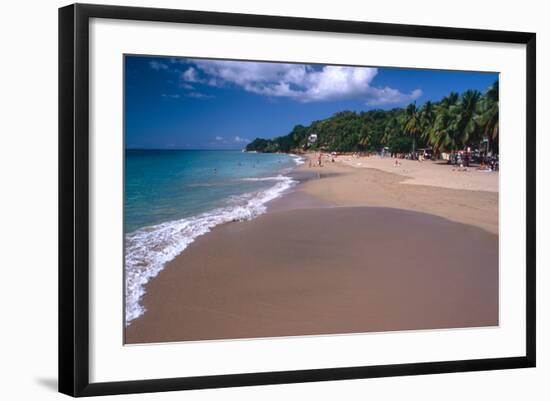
(308, 267)
(433, 173)
(343, 185)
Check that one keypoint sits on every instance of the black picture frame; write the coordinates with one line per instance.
(74, 199)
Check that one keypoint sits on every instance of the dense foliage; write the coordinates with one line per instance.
(455, 122)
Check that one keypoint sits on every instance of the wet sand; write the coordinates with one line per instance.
(324, 270)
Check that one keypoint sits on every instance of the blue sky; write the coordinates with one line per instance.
(179, 103)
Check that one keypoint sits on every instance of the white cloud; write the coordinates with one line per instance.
(219, 138)
(190, 75)
(198, 95)
(298, 81)
(240, 139)
(157, 65)
(186, 86)
(385, 96)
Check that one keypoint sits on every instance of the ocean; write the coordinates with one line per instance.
(173, 196)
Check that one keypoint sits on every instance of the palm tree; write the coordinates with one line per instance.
(443, 134)
(488, 118)
(392, 129)
(412, 124)
(364, 135)
(450, 100)
(467, 126)
(427, 118)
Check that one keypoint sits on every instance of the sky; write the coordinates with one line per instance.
(182, 103)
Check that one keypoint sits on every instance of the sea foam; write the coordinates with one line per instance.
(298, 159)
(149, 249)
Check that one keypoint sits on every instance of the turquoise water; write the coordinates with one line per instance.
(164, 185)
(173, 196)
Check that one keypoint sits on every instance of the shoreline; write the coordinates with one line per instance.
(341, 184)
(149, 249)
(366, 275)
(338, 189)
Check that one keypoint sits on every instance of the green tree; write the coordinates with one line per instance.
(427, 119)
(466, 114)
(443, 134)
(392, 129)
(450, 124)
(412, 124)
(488, 117)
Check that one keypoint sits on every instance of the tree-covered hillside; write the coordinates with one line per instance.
(451, 124)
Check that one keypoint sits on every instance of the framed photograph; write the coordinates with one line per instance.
(251, 199)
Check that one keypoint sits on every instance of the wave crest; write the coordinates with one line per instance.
(150, 248)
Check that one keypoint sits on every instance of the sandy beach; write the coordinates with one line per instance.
(351, 250)
(429, 173)
(437, 188)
